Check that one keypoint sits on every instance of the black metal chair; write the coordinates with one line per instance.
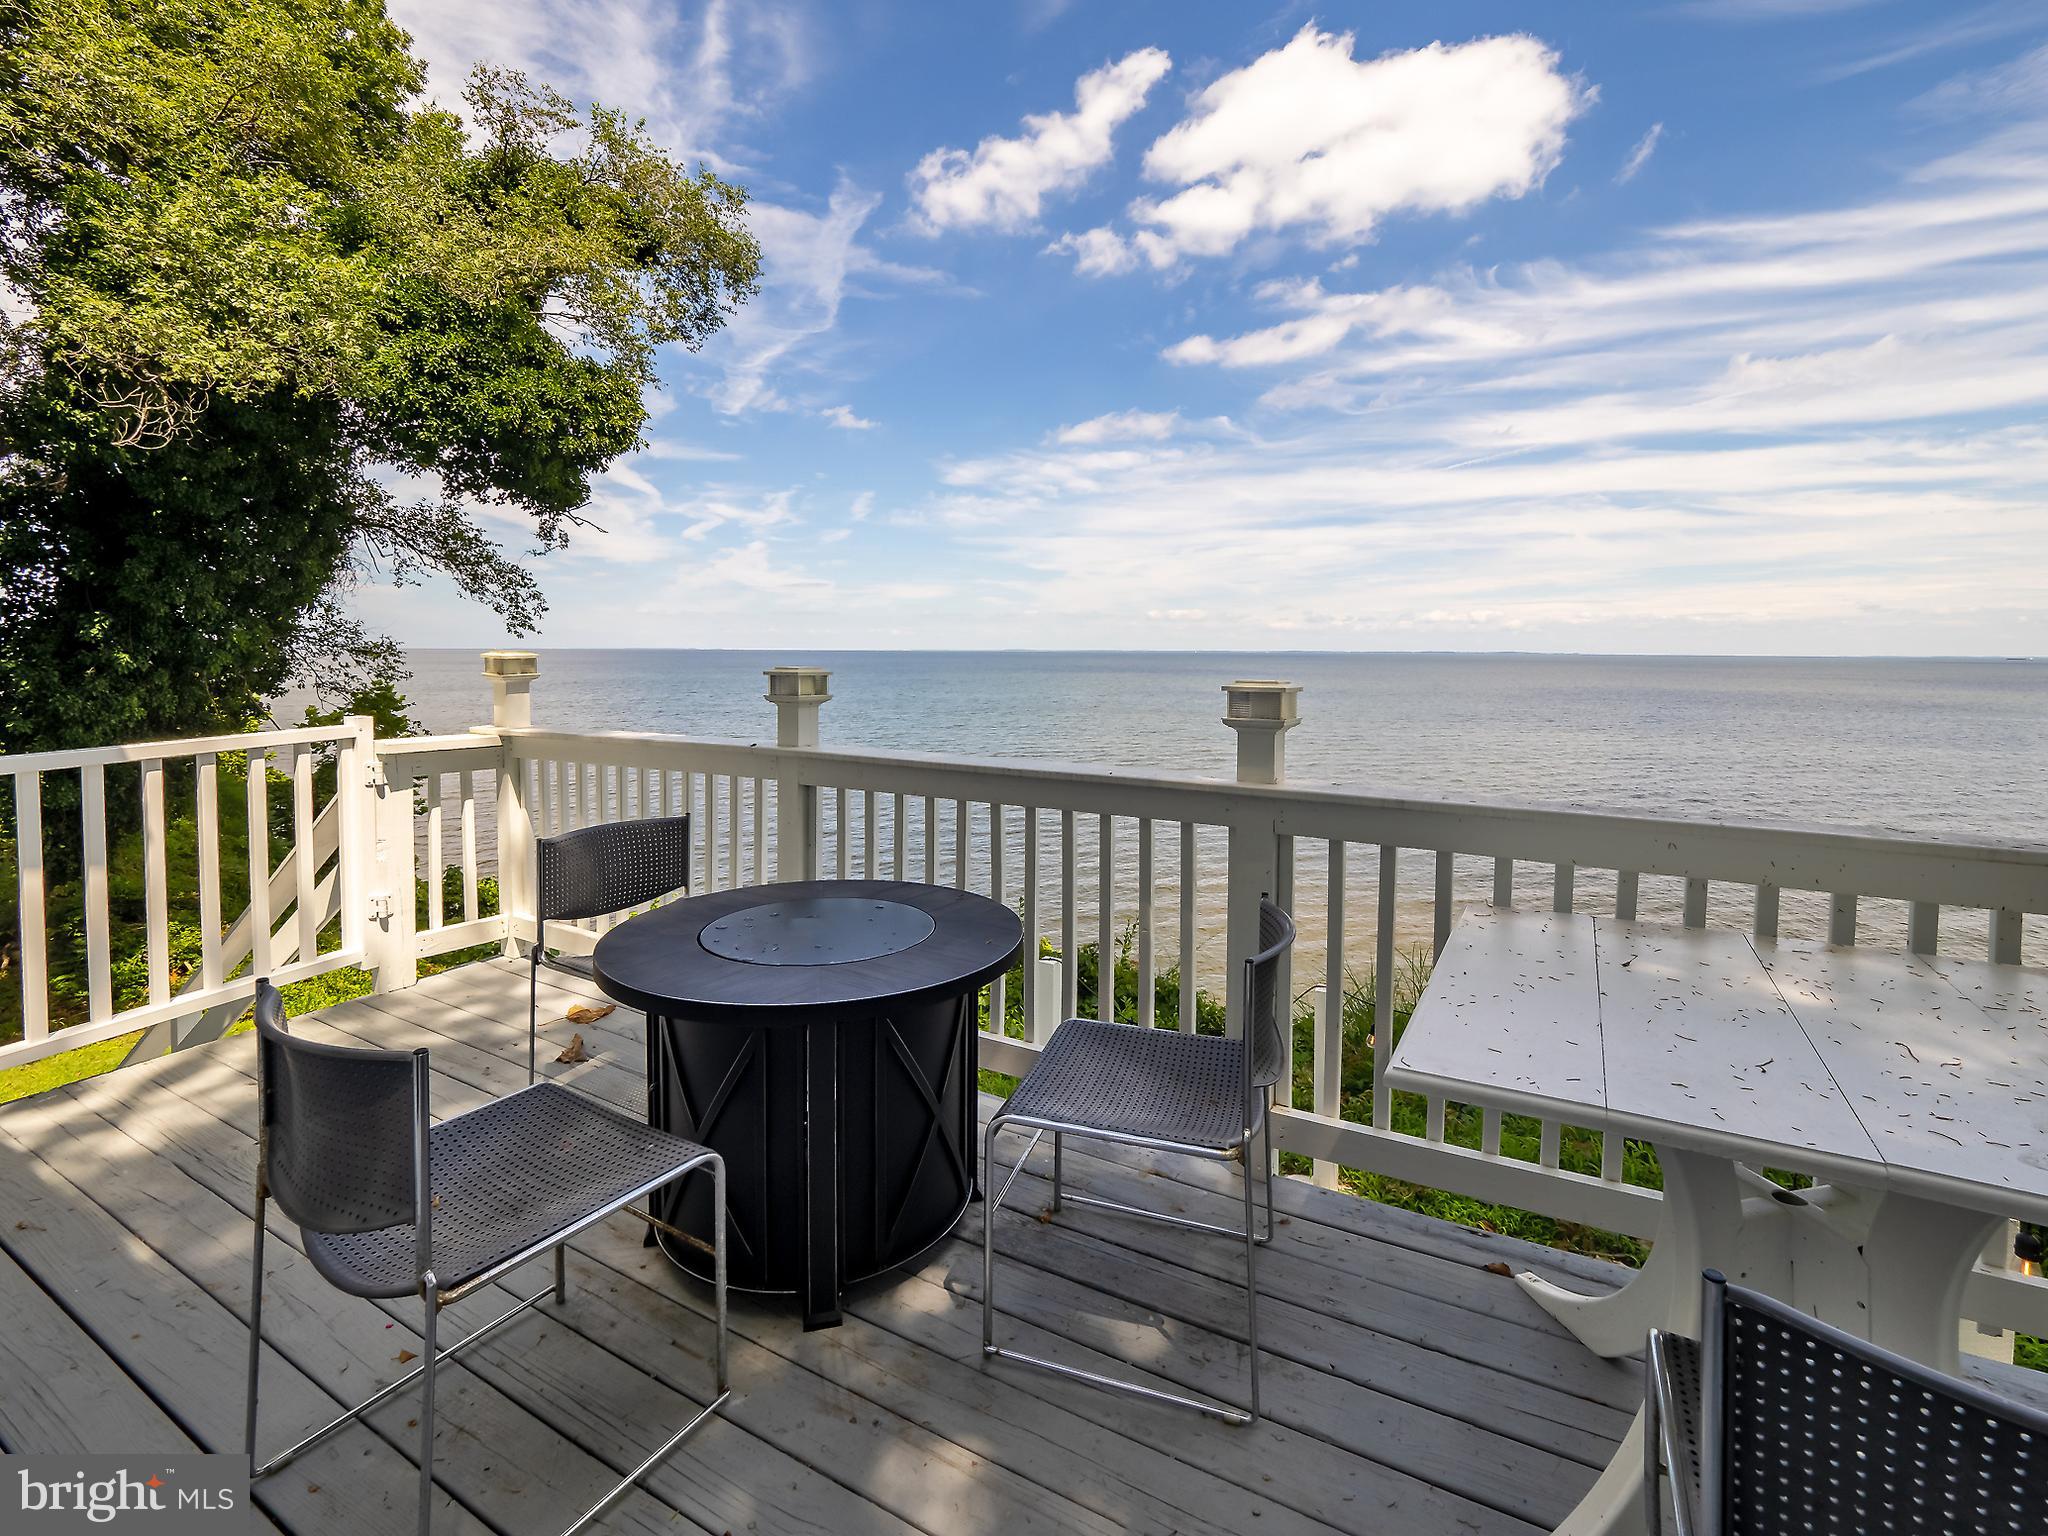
(1774, 1422)
(1200, 1095)
(592, 872)
(389, 1205)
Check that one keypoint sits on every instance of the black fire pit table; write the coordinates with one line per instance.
(821, 1037)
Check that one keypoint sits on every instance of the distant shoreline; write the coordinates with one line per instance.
(1032, 650)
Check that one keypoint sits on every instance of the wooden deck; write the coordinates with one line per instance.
(1410, 1389)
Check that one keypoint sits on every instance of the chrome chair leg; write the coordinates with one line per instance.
(992, 1351)
(255, 1331)
(430, 1351)
(533, 1019)
(988, 1236)
(1251, 1275)
(1058, 1168)
(718, 1264)
(561, 1273)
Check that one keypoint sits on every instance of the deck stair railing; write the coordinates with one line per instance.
(277, 934)
(1166, 868)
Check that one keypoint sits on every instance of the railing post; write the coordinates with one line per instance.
(391, 952)
(355, 837)
(1261, 711)
(797, 693)
(512, 674)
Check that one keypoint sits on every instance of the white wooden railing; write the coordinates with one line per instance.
(1086, 856)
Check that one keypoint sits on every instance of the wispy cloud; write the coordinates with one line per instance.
(1953, 29)
(1770, 10)
(1004, 182)
(1639, 157)
(2019, 86)
(811, 263)
(1121, 426)
(843, 417)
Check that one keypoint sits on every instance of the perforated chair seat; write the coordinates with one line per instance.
(1126, 1080)
(507, 1176)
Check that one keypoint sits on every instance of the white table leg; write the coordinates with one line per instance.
(1699, 1226)
(1613, 1506)
(1920, 1255)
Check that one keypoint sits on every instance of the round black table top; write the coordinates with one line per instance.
(684, 958)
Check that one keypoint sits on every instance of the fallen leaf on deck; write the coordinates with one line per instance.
(29, 1226)
(583, 1013)
(1497, 1268)
(573, 1051)
(406, 1357)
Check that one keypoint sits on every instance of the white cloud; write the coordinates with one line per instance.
(1817, 431)
(863, 504)
(697, 73)
(1121, 426)
(1639, 157)
(842, 417)
(1096, 252)
(1308, 138)
(1003, 182)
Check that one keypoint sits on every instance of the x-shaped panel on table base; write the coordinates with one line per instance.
(955, 1041)
(703, 1125)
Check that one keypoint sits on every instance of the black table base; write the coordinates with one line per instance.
(849, 1145)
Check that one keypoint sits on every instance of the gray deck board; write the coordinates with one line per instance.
(1408, 1388)
(67, 1395)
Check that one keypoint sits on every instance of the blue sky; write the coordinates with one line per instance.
(1713, 327)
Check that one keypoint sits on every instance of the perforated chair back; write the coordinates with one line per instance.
(611, 867)
(1267, 1026)
(337, 1127)
(1810, 1429)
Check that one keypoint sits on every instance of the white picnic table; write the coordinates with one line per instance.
(1913, 1089)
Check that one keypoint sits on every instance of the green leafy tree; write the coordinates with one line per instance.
(254, 285)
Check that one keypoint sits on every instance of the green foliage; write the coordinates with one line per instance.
(381, 701)
(255, 276)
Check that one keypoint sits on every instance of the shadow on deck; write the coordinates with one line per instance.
(1409, 1388)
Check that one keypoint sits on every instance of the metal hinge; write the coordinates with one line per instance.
(376, 779)
(380, 906)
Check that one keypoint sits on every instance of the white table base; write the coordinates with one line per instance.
(1884, 1266)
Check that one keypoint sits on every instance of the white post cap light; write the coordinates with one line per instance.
(511, 674)
(1262, 711)
(797, 693)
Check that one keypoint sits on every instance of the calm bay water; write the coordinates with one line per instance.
(1957, 748)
